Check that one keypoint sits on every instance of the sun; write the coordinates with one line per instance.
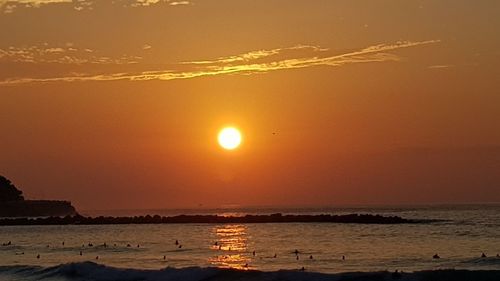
(229, 138)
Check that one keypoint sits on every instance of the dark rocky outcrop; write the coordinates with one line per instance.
(12, 204)
(36, 208)
(274, 218)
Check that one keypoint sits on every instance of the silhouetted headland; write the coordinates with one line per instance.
(273, 218)
(15, 210)
(13, 204)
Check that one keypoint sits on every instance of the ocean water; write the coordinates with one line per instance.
(459, 236)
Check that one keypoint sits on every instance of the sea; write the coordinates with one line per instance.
(458, 234)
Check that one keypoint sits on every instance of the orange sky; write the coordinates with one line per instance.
(117, 104)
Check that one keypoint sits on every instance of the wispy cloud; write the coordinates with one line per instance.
(176, 3)
(253, 62)
(440, 66)
(9, 6)
(137, 3)
(67, 54)
(254, 55)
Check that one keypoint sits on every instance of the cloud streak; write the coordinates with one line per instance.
(138, 3)
(440, 66)
(9, 6)
(261, 61)
(67, 54)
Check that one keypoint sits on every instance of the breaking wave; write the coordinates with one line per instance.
(90, 271)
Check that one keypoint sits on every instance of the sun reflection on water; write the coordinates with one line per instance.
(231, 247)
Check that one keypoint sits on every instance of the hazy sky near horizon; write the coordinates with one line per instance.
(117, 104)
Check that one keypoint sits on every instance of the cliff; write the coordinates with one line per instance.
(36, 208)
(13, 204)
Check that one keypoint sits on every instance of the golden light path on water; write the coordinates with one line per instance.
(231, 245)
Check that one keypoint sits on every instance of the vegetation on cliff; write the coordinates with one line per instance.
(9, 192)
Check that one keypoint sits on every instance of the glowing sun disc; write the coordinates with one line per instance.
(229, 138)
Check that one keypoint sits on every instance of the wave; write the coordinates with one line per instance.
(489, 261)
(90, 271)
